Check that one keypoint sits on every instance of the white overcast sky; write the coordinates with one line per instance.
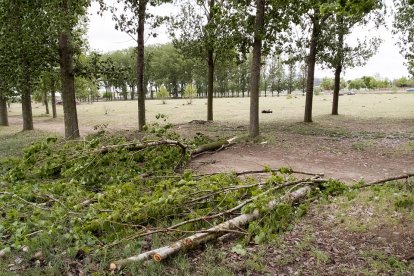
(103, 37)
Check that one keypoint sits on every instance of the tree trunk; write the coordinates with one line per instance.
(132, 92)
(256, 65)
(45, 100)
(311, 69)
(337, 87)
(140, 64)
(53, 97)
(210, 74)
(4, 117)
(68, 87)
(27, 106)
(338, 69)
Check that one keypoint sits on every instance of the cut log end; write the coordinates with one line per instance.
(113, 267)
(157, 257)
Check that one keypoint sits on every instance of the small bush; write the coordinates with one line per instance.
(163, 94)
(190, 92)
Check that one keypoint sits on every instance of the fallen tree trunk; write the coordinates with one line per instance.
(215, 146)
(140, 146)
(212, 233)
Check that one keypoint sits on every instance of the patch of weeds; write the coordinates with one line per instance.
(256, 266)
(256, 261)
(212, 262)
(333, 187)
(320, 256)
(305, 243)
(405, 202)
(351, 194)
(356, 227)
(379, 263)
(364, 145)
(316, 130)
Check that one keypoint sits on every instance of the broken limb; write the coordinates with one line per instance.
(214, 232)
(213, 147)
(140, 146)
(385, 180)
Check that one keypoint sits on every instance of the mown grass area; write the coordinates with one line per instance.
(123, 114)
(12, 140)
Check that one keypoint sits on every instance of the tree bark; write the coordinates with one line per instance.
(132, 92)
(256, 65)
(210, 75)
(45, 100)
(53, 97)
(337, 87)
(27, 104)
(68, 86)
(311, 68)
(338, 69)
(4, 116)
(140, 64)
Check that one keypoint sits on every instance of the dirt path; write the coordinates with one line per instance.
(358, 149)
(333, 162)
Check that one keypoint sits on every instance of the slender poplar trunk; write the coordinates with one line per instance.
(256, 65)
(68, 86)
(311, 69)
(140, 64)
(46, 101)
(338, 68)
(132, 92)
(53, 97)
(27, 106)
(210, 74)
(4, 116)
(337, 87)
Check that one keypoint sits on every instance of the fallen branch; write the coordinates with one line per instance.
(216, 231)
(229, 211)
(213, 147)
(281, 170)
(140, 146)
(385, 180)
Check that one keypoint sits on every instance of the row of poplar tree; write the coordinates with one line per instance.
(40, 40)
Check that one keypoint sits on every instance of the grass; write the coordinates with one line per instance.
(123, 114)
(12, 141)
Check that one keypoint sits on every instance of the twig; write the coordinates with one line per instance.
(24, 200)
(34, 233)
(166, 230)
(140, 146)
(264, 171)
(231, 188)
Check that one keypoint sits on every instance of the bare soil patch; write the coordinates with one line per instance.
(344, 148)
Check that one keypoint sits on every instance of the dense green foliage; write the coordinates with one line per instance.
(73, 197)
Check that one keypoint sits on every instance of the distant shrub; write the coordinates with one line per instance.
(163, 94)
(190, 92)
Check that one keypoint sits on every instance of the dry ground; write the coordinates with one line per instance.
(361, 234)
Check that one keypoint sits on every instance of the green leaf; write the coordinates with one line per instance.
(239, 250)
